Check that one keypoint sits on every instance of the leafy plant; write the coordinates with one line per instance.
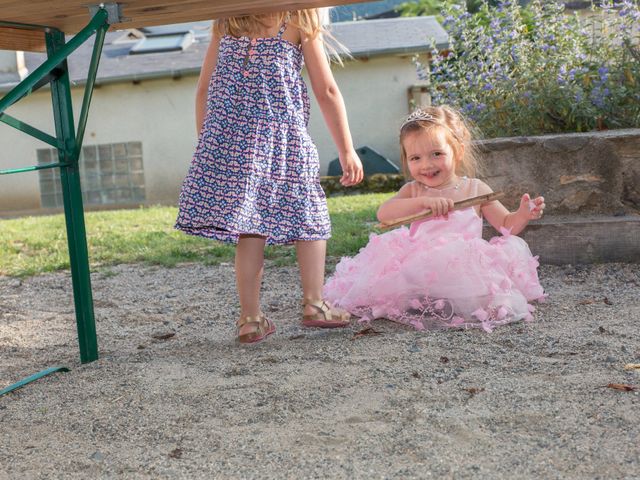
(434, 7)
(517, 70)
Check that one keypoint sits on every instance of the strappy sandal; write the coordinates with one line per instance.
(325, 316)
(259, 328)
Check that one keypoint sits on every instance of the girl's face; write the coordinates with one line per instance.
(430, 158)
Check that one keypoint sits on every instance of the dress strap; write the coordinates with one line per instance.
(283, 27)
(474, 187)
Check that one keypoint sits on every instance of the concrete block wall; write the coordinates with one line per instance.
(591, 185)
(581, 173)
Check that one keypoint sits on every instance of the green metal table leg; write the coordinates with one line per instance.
(73, 209)
(55, 71)
(30, 379)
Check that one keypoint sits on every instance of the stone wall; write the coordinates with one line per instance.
(581, 173)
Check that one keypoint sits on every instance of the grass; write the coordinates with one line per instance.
(33, 245)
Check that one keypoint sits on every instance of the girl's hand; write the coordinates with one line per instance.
(352, 173)
(531, 209)
(438, 205)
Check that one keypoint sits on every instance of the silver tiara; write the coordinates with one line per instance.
(418, 116)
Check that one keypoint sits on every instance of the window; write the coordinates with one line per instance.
(419, 96)
(110, 174)
(163, 43)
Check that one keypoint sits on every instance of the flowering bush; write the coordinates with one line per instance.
(530, 70)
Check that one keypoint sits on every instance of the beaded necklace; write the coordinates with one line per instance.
(454, 187)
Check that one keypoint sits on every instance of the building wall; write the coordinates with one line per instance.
(20, 191)
(160, 114)
(376, 96)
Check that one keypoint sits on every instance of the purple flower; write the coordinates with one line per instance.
(604, 74)
(598, 97)
(561, 74)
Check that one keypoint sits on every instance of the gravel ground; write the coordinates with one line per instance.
(526, 401)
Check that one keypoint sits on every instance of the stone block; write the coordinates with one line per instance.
(595, 173)
(559, 240)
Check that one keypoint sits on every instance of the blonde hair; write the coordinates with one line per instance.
(458, 131)
(307, 21)
(310, 22)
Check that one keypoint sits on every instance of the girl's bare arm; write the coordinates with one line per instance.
(208, 67)
(332, 106)
(498, 216)
(404, 204)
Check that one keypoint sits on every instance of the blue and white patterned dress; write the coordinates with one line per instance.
(255, 169)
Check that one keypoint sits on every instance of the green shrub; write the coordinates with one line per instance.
(531, 70)
(376, 183)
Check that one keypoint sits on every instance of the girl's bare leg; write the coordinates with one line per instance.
(249, 269)
(311, 258)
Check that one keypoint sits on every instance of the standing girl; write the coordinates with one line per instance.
(440, 272)
(254, 177)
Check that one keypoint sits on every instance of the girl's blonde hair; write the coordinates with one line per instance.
(458, 130)
(307, 21)
(310, 22)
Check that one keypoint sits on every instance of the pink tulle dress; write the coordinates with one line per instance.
(440, 273)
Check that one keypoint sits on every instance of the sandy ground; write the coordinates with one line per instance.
(526, 401)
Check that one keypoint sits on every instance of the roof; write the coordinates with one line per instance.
(8, 78)
(405, 35)
(117, 65)
(387, 36)
(363, 10)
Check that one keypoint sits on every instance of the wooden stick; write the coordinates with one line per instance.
(469, 202)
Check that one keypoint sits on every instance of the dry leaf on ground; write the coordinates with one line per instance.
(621, 386)
(164, 336)
(365, 331)
(175, 453)
(589, 301)
(474, 390)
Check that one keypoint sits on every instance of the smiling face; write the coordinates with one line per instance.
(430, 158)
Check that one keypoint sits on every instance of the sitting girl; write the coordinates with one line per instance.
(440, 273)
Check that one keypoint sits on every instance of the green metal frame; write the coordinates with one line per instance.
(32, 378)
(55, 72)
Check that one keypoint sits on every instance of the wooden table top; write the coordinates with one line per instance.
(70, 16)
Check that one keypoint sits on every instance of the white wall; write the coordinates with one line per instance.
(160, 114)
(376, 95)
(20, 191)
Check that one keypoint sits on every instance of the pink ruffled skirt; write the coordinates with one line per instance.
(439, 274)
